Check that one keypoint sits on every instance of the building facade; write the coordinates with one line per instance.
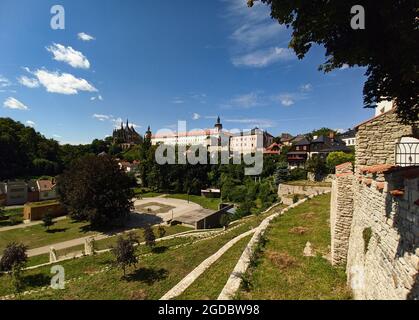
(217, 139)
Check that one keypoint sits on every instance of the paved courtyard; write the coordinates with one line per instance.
(180, 208)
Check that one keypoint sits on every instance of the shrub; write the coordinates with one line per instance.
(336, 158)
(225, 221)
(149, 237)
(14, 260)
(124, 252)
(366, 234)
(161, 231)
(297, 174)
(48, 221)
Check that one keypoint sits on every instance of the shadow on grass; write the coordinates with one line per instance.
(52, 231)
(147, 275)
(158, 250)
(37, 280)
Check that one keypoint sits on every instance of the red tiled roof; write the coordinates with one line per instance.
(45, 185)
(379, 168)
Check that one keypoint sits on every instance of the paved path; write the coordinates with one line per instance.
(81, 241)
(191, 277)
(25, 225)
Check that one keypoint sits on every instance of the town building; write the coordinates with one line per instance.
(218, 139)
(21, 192)
(47, 189)
(349, 137)
(320, 146)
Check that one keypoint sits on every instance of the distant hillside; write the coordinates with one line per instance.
(25, 152)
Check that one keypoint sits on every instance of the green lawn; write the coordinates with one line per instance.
(156, 273)
(282, 272)
(36, 236)
(209, 285)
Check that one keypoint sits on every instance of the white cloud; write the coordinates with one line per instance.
(30, 123)
(68, 55)
(306, 87)
(85, 37)
(262, 58)
(116, 122)
(56, 136)
(64, 83)
(344, 67)
(178, 101)
(99, 97)
(196, 116)
(4, 82)
(287, 101)
(28, 82)
(249, 100)
(101, 117)
(256, 39)
(252, 35)
(262, 123)
(12, 103)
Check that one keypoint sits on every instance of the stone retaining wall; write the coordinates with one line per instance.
(287, 189)
(341, 212)
(381, 246)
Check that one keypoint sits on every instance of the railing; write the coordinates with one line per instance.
(407, 154)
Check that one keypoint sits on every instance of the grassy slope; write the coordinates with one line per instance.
(296, 276)
(154, 276)
(209, 285)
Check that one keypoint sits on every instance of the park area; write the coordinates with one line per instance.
(279, 270)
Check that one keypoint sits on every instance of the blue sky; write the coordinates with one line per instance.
(157, 62)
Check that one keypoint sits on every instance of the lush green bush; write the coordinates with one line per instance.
(317, 165)
(297, 174)
(336, 158)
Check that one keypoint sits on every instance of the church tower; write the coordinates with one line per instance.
(218, 125)
(148, 134)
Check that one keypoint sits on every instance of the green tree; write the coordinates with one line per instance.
(336, 158)
(281, 173)
(48, 221)
(387, 47)
(245, 209)
(14, 260)
(124, 252)
(317, 165)
(161, 231)
(149, 237)
(225, 221)
(95, 189)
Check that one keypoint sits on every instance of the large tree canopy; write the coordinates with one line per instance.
(388, 46)
(97, 190)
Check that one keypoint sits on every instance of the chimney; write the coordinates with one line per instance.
(332, 135)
